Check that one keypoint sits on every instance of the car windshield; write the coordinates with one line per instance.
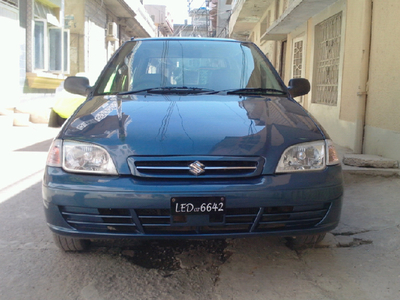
(188, 66)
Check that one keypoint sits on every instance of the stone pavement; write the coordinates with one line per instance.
(363, 164)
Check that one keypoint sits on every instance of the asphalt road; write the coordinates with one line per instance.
(360, 260)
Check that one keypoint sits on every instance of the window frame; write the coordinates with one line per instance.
(44, 46)
(64, 48)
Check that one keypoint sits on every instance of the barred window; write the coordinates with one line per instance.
(297, 59)
(327, 57)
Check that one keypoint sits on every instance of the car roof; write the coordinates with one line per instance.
(188, 39)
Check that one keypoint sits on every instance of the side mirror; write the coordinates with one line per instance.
(77, 85)
(298, 87)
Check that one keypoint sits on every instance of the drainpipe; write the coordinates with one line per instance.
(277, 55)
(362, 93)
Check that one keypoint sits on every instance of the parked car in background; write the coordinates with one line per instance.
(65, 105)
(190, 138)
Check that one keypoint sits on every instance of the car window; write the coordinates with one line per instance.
(214, 65)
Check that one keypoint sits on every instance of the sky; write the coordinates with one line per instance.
(178, 8)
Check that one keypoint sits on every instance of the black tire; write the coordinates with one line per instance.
(69, 244)
(305, 241)
(55, 120)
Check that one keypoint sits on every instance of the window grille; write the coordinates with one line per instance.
(297, 59)
(327, 57)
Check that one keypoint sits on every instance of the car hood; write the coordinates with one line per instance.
(198, 125)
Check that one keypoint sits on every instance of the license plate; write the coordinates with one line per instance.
(197, 205)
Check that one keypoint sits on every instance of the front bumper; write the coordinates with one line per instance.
(89, 206)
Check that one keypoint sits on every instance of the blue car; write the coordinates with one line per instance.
(190, 138)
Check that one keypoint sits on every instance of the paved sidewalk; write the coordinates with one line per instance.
(23, 152)
(389, 172)
(19, 137)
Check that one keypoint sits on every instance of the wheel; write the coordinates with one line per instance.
(305, 240)
(55, 120)
(69, 244)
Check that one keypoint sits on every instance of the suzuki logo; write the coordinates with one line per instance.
(196, 168)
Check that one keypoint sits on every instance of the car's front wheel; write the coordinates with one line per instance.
(69, 244)
(305, 240)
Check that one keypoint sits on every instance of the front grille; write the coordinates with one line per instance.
(99, 220)
(237, 220)
(160, 221)
(201, 167)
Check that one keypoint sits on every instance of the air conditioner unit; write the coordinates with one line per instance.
(112, 31)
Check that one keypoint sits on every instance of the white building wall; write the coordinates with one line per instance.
(9, 56)
(95, 38)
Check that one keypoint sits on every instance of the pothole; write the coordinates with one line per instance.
(352, 242)
(172, 255)
(350, 233)
(346, 240)
(335, 240)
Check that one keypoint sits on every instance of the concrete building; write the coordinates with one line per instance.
(199, 27)
(47, 40)
(348, 51)
(162, 19)
(98, 28)
(11, 58)
(221, 13)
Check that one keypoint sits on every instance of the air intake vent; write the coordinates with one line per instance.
(99, 220)
(292, 217)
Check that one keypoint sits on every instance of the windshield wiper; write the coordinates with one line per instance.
(171, 90)
(254, 91)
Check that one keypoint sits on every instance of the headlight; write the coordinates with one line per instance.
(311, 156)
(86, 158)
(79, 157)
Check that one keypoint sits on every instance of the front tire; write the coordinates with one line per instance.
(69, 244)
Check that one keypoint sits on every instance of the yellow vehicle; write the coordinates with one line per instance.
(65, 105)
